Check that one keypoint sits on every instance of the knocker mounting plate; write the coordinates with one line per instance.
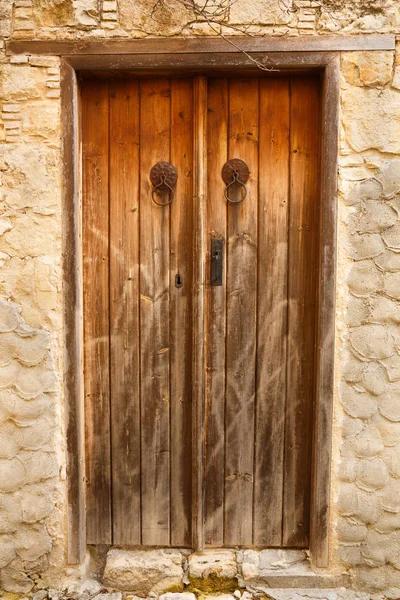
(163, 176)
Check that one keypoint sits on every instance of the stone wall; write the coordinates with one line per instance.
(366, 467)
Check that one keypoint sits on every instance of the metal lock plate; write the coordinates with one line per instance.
(235, 166)
(217, 261)
(163, 172)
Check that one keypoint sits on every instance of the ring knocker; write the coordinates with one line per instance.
(163, 176)
(235, 172)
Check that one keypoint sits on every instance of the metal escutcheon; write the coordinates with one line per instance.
(163, 176)
(235, 172)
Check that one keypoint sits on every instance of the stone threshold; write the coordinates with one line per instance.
(157, 572)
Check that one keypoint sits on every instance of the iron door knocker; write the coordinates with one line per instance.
(235, 172)
(163, 176)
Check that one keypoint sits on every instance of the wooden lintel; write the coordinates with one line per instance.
(211, 45)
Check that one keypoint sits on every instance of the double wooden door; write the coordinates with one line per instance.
(199, 426)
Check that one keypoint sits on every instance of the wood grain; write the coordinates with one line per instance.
(199, 331)
(241, 318)
(73, 330)
(302, 278)
(124, 310)
(154, 318)
(272, 311)
(96, 310)
(181, 312)
(305, 43)
(217, 152)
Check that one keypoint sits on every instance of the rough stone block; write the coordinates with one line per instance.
(144, 571)
(213, 570)
(367, 68)
(179, 596)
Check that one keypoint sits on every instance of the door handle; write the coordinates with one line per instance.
(235, 172)
(217, 258)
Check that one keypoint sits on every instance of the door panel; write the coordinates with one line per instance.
(139, 301)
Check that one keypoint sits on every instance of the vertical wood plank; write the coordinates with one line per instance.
(154, 317)
(124, 310)
(217, 152)
(241, 319)
(322, 438)
(199, 341)
(272, 310)
(96, 309)
(181, 312)
(302, 277)
(73, 322)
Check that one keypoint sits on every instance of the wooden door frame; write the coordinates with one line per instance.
(315, 53)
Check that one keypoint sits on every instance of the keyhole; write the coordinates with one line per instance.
(178, 280)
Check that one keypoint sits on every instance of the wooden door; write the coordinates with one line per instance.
(139, 299)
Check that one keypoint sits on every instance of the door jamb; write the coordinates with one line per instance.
(328, 64)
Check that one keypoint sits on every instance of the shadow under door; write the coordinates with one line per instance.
(245, 480)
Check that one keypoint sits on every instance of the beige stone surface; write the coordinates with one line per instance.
(366, 444)
(144, 571)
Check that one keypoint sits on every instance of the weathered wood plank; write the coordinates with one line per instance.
(199, 332)
(124, 310)
(154, 317)
(96, 310)
(272, 311)
(321, 471)
(302, 278)
(73, 340)
(181, 312)
(232, 44)
(217, 144)
(241, 318)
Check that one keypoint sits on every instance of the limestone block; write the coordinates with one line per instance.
(350, 555)
(390, 498)
(32, 235)
(391, 456)
(263, 12)
(9, 445)
(372, 119)
(373, 217)
(368, 189)
(389, 430)
(396, 78)
(14, 580)
(38, 465)
(213, 570)
(392, 285)
(369, 443)
(113, 596)
(7, 552)
(12, 474)
(389, 177)
(179, 596)
(350, 426)
(346, 470)
(353, 369)
(367, 68)
(259, 564)
(371, 474)
(374, 379)
(169, 18)
(372, 341)
(30, 350)
(10, 513)
(31, 543)
(389, 405)
(364, 278)
(30, 382)
(357, 404)
(357, 312)
(86, 12)
(28, 411)
(36, 503)
(384, 310)
(391, 236)
(351, 532)
(361, 246)
(388, 261)
(144, 571)
(388, 522)
(9, 316)
(21, 82)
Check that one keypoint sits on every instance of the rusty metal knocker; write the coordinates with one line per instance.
(234, 172)
(163, 176)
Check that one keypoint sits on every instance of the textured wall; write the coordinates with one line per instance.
(366, 466)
